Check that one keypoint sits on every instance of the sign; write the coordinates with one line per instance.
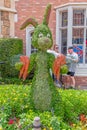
(79, 51)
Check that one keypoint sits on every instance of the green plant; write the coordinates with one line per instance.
(10, 48)
(16, 111)
(55, 123)
(15, 81)
(14, 99)
(75, 103)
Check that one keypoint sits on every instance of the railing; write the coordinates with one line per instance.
(2, 62)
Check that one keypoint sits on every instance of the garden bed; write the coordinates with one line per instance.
(16, 113)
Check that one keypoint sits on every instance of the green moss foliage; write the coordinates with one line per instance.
(10, 51)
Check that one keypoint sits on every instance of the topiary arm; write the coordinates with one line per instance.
(51, 59)
(32, 62)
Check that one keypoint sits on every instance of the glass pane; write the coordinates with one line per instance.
(78, 41)
(64, 41)
(78, 17)
(86, 49)
(32, 48)
(64, 18)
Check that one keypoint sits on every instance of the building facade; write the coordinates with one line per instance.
(68, 23)
(7, 11)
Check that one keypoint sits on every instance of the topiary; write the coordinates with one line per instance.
(44, 95)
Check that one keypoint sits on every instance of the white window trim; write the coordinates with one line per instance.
(28, 40)
(81, 4)
(81, 69)
(57, 29)
(1, 36)
(69, 33)
(15, 18)
(0, 23)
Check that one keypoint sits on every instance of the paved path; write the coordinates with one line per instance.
(79, 88)
(83, 88)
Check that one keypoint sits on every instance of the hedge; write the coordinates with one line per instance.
(10, 51)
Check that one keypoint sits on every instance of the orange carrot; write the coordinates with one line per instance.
(27, 62)
(59, 61)
(24, 70)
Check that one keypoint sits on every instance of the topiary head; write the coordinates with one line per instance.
(42, 37)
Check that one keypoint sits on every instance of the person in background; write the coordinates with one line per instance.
(54, 51)
(59, 61)
(56, 48)
(72, 60)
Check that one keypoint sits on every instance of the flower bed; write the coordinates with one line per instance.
(16, 113)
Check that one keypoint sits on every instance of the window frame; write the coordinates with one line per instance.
(70, 8)
(0, 23)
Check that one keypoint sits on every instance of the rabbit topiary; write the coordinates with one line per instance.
(44, 95)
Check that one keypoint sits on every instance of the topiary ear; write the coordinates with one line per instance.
(31, 21)
(47, 14)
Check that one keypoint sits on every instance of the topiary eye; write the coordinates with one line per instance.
(40, 35)
(48, 35)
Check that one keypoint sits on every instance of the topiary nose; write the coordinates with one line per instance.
(46, 40)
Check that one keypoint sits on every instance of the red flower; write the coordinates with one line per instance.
(83, 117)
(11, 121)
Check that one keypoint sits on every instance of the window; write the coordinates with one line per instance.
(33, 49)
(78, 17)
(72, 29)
(78, 29)
(64, 41)
(64, 18)
(29, 48)
(78, 42)
(78, 36)
(0, 23)
(63, 31)
(86, 48)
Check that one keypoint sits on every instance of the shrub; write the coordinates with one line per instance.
(10, 50)
(14, 99)
(75, 103)
(15, 81)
